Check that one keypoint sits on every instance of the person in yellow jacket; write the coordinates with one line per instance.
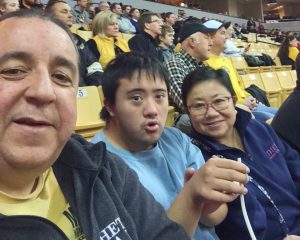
(288, 51)
(107, 41)
(216, 61)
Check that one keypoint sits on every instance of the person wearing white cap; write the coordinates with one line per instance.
(195, 42)
(216, 61)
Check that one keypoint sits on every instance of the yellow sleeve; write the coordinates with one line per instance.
(228, 67)
(293, 53)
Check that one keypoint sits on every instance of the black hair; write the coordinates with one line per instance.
(283, 52)
(125, 6)
(51, 3)
(113, 5)
(201, 75)
(124, 66)
(167, 15)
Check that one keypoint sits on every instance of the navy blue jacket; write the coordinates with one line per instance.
(273, 165)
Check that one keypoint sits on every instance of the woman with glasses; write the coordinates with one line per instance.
(220, 129)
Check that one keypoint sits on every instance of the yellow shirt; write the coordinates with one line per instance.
(106, 48)
(47, 201)
(293, 53)
(217, 62)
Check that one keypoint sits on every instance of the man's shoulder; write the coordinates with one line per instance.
(137, 37)
(174, 136)
(86, 156)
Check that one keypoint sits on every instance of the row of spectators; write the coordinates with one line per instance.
(204, 88)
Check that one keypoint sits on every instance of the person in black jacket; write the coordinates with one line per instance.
(56, 187)
(90, 69)
(145, 42)
(286, 122)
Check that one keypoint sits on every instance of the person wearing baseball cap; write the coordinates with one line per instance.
(195, 42)
(214, 24)
(217, 61)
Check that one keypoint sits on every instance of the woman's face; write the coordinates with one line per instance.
(211, 109)
(112, 30)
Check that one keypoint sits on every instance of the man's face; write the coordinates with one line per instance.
(63, 12)
(154, 27)
(38, 85)
(104, 6)
(10, 6)
(171, 19)
(136, 14)
(82, 3)
(127, 10)
(202, 45)
(117, 10)
(219, 38)
(140, 111)
(168, 39)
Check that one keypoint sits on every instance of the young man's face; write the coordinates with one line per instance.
(82, 3)
(10, 6)
(140, 111)
(127, 10)
(168, 39)
(38, 86)
(63, 12)
(219, 38)
(136, 14)
(117, 10)
(171, 19)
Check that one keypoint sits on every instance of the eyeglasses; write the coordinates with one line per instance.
(200, 108)
(156, 20)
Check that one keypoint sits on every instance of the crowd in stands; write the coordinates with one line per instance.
(137, 178)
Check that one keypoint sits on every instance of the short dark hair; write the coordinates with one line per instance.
(167, 15)
(125, 6)
(51, 3)
(124, 66)
(38, 13)
(146, 17)
(132, 10)
(113, 5)
(203, 74)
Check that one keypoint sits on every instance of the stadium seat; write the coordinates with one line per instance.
(272, 88)
(88, 108)
(252, 78)
(266, 69)
(74, 28)
(86, 35)
(286, 82)
(239, 63)
(277, 61)
(294, 75)
(252, 70)
(127, 36)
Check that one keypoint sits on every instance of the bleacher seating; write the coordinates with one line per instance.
(286, 82)
(272, 88)
(88, 108)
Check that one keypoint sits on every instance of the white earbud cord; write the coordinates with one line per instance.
(245, 214)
